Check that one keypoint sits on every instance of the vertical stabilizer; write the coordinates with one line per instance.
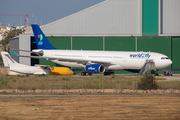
(41, 40)
(8, 61)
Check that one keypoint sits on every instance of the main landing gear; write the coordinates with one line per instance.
(86, 74)
(108, 72)
(89, 74)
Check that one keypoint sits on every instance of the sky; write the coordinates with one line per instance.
(43, 11)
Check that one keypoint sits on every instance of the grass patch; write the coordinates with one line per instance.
(160, 78)
(147, 83)
(169, 84)
(67, 82)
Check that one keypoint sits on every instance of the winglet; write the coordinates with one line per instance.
(41, 40)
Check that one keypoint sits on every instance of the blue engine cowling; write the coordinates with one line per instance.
(95, 68)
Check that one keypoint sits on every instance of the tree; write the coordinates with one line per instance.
(5, 41)
(1, 61)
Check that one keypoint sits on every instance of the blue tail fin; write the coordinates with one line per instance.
(41, 40)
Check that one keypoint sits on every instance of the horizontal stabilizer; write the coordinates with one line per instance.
(22, 50)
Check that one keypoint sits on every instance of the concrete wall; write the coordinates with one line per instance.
(24, 44)
(109, 18)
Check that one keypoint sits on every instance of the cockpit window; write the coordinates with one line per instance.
(164, 58)
(68, 69)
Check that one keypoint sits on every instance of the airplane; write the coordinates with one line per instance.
(64, 71)
(36, 70)
(20, 68)
(95, 61)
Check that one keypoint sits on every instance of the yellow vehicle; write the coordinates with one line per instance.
(60, 71)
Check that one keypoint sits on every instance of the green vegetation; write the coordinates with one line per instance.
(169, 84)
(1, 61)
(148, 82)
(10, 35)
(67, 82)
(5, 41)
(94, 82)
(3, 83)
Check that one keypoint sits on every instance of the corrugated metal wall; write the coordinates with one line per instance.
(119, 43)
(169, 14)
(61, 42)
(175, 54)
(150, 17)
(87, 43)
(155, 44)
(112, 17)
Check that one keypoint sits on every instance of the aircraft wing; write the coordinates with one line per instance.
(36, 57)
(80, 61)
(22, 50)
(105, 63)
(34, 52)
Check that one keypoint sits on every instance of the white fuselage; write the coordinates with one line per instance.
(27, 69)
(119, 60)
(20, 68)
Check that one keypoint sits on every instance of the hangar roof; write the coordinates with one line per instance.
(108, 18)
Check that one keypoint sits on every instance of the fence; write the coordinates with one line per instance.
(77, 82)
(4, 70)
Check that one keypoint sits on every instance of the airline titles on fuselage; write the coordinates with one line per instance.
(140, 55)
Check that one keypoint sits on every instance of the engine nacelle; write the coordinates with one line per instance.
(38, 52)
(95, 68)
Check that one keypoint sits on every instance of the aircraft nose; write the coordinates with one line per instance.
(72, 73)
(170, 62)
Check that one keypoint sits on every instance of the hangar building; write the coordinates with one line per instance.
(114, 25)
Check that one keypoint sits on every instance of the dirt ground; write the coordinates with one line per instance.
(83, 108)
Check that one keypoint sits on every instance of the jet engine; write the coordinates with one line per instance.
(95, 68)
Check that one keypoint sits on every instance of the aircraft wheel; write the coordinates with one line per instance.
(86, 73)
(105, 73)
(89, 74)
(42, 75)
(82, 74)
